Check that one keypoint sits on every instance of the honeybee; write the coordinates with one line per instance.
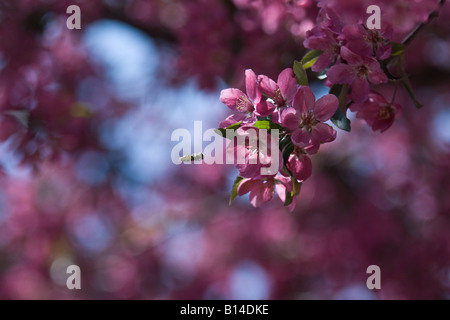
(192, 157)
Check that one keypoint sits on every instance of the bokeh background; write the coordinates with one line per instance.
(86, 178)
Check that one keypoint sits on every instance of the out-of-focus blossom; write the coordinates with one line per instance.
(377, 112)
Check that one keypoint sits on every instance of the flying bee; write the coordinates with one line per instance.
(192, 157)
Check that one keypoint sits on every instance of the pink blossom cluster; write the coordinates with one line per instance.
(291, 109)
(354, 60)
(355, 57)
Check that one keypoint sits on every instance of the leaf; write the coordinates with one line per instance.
(300, 73)
(236, 184)
(310, 58)
(223, 132)
(412, 95)
(268, 125)
(397, 48)
(341, 121)
(289, 198)
(290, 195)
(339, 118)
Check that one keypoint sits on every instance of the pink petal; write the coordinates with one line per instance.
(264, 109)
(287, 84)
(312, 148)
(281, 191)
(259, 195)
(251, 87)
(317, 43)
(353, 31)
(349, 56)
(326, 107)
(234, 118)
(384, 52)
(290, 118)
(322, 133)
(377, 75)
(267, 85)
(300, 138)
(269, 190)
(341, 74)
(246, 186)
(301, 166)
(323, 62)
(360, 47)
(304, 100)
(231, 96)
(360, 89)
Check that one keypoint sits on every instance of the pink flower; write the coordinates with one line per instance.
(281, 92)
(325, 40)
(306, 118)
(300, 165)
(251, 153)
(263, 190)
(358, 72)
(377, 112)
(237, 100)
(366, 42)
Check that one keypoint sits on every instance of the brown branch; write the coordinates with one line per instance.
(433, 14)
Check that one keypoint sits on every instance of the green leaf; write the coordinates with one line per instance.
(341, 121)
(289, 198)
(339, 118)
(397, 48)
(235, 126)
(268, 125)
(296, 186)
(412, 95)
(223, 132)
(236, 184)
(300, 73)
(310, 58)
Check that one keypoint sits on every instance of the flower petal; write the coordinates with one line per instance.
(290, 118)
(323, 62)
(250, 85)
(360, 89)
(300, 138)
(377, 75)
(287, 84)
(304, 100)
(326, 107)
(341, 74)
(246, 186)
(301, 166)
(264, 109)
(349, 56)
(322, 133)
(234, 118)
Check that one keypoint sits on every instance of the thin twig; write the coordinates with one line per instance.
(433, 14)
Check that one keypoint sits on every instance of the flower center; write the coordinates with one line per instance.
(243, 104)
(385, 113)
(308, 121)
(278, 98)
(362, 70)
(373, 36)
